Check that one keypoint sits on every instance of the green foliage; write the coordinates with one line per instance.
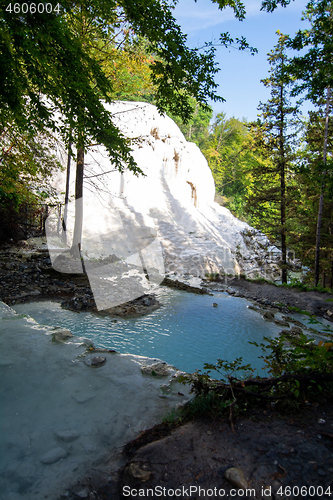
(44, 55)
(229, 153)
(197, 128)
(27, 163)
(296, 354)
(312, 69)
(299, 370)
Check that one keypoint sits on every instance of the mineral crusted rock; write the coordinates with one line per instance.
(62, 335)
(156, 369)
(176, 198)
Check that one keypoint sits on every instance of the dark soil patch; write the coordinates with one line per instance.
(274, 451)
(320, 304)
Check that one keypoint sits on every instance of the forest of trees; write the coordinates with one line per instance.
(275, 173)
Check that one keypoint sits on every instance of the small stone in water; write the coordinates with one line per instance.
(53, 455)
(83, 493)
(95, 361)
(214, 304)
(61, 335)
(268, 316)
(68, 435)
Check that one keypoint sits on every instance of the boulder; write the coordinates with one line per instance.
(296, 330)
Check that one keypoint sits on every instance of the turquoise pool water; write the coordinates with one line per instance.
(187, 331)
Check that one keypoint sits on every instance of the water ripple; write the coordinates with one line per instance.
(185, 332)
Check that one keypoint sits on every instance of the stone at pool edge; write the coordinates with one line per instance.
(95, 361)
(281, 322)
(61, 335)
(268, 316)
(156, 370)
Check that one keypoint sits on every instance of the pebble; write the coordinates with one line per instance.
(296, 330)
(134, 471)
(281, 322)
(54, 455)
(84, 398)
(83, 493)
(235, 477)
(67, 436)
(269, 316)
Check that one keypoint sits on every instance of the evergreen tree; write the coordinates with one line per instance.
(315, 77)
(309, 179)
(281, 120)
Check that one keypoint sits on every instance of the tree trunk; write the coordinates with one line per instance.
(283, 225)
(64, 220)
(282, 162)
(322, 190)
(76, 246)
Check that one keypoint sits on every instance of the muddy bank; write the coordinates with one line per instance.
(320, 304)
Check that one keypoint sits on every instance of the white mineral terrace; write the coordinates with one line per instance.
(61, 416)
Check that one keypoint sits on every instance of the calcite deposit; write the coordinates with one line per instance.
(170, 210)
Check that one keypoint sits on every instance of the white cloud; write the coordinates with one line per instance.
(203, 14)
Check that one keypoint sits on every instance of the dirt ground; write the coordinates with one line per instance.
(320, 304)
(274, 452)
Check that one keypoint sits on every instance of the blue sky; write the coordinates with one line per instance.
(240, 73)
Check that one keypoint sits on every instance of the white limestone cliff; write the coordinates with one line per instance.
(176, 197)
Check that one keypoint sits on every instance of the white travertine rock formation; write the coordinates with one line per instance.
(175, 197)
